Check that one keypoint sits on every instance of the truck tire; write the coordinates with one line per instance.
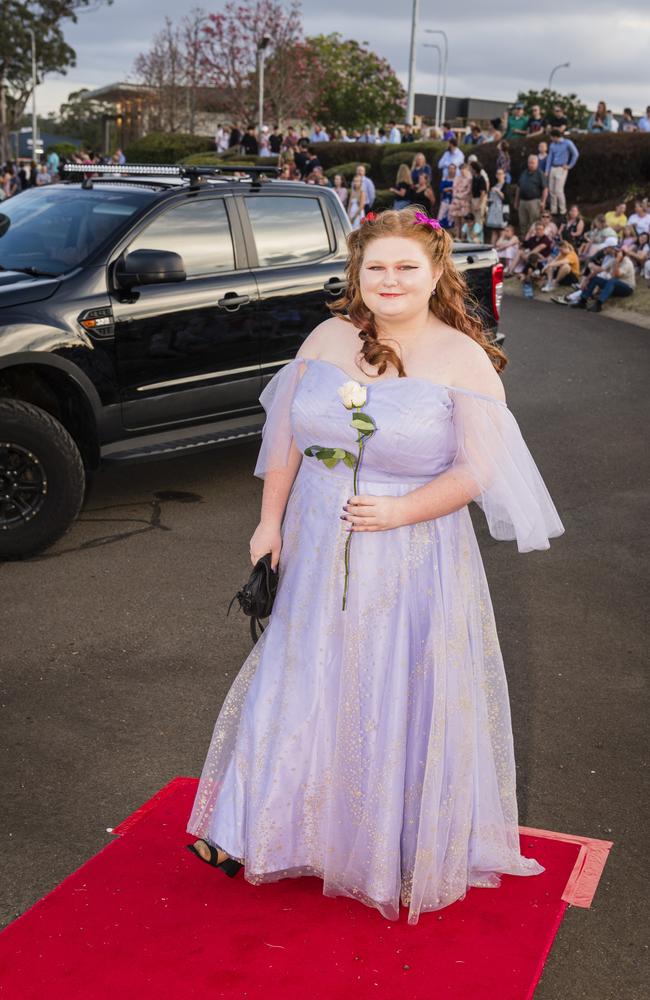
(42, 479)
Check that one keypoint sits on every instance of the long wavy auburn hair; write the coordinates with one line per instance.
(450, 302)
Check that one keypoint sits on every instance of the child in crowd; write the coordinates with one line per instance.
(472, 229)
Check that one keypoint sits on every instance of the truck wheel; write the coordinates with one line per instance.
(42, 479)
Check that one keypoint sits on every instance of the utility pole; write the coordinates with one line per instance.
(260, 77)
(443, 104)
(34, 122)
(410, 106)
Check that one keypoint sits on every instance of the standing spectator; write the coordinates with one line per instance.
(616, 278)
(573, 228)
(275, 140)
(423, 194)
(234, 138)
(472, 229)
(562, 157)
(542, 156)
(536, 122)
(446, 193)
(33, 172)
(461, 198)
(356, 202)
(319, 134)
(451, 155)
(558, 119)
(407, 134)
(249, 143)
(479, 194)
(473, 158)
(290, 140)
(264, 145)
(475, 137)
(394, 134)
(420, 166)
(531, 195)
(494, 131)
(447, 132)
(627, 123)
(340, 189)
(221, 137)
(600, 120)
(368, 186)
(640, 218)
(617, 219)
(503, 159)
(53, 162)
(517, 122)
(403, 189)
(10, 182)
(381, 136)
(302, 156)
(43, 177)
(644, 123)
(367, 135)
(498, 213)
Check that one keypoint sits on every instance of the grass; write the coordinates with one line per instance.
(635, 306)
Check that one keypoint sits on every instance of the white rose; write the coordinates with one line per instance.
(352, 394)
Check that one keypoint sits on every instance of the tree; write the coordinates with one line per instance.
(356, 86)
(229, 58)
(164, 69)
(53, 55)
(81, 118)
(576, 112)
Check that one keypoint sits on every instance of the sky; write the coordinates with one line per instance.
(494, 49)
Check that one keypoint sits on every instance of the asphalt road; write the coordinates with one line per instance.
(117, 652)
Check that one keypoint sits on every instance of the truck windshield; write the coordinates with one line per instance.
(52, 230)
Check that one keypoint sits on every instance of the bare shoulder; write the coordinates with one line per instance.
(473, 369)
(324, 339)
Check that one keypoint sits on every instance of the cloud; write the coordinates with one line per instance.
(493, 52)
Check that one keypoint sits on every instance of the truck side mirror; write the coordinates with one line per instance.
(149, 267)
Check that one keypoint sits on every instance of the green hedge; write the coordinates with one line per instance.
(164, 147)
(211, 159)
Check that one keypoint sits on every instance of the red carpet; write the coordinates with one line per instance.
(144, 918)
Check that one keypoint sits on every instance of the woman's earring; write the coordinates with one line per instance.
(433, 290)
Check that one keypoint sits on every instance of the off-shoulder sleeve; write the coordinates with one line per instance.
(276, 398)
(498, 471)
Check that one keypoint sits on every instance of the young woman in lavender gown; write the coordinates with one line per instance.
(367, 737)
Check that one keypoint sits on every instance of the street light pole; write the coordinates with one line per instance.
(410, 105)
(34, 122)
(432, 45)
(443, 107)
(260, 74)
(554, 71)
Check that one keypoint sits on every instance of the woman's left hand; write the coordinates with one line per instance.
(372, 513)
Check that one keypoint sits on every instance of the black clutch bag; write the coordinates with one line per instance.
(257, 595)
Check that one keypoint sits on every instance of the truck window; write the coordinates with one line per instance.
(198, 230)
(287, 230)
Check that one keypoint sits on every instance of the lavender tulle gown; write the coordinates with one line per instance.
(372, 746)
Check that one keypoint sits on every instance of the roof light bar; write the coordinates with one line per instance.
(166, 170)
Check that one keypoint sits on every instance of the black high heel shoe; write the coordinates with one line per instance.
(229, 865)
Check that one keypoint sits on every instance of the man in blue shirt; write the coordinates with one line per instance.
(562, 157)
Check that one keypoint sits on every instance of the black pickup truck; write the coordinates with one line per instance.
(143, 310)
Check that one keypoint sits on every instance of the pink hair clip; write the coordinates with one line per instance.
(421, 217)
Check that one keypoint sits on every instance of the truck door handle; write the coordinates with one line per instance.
(334, 285)
(232, 301)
